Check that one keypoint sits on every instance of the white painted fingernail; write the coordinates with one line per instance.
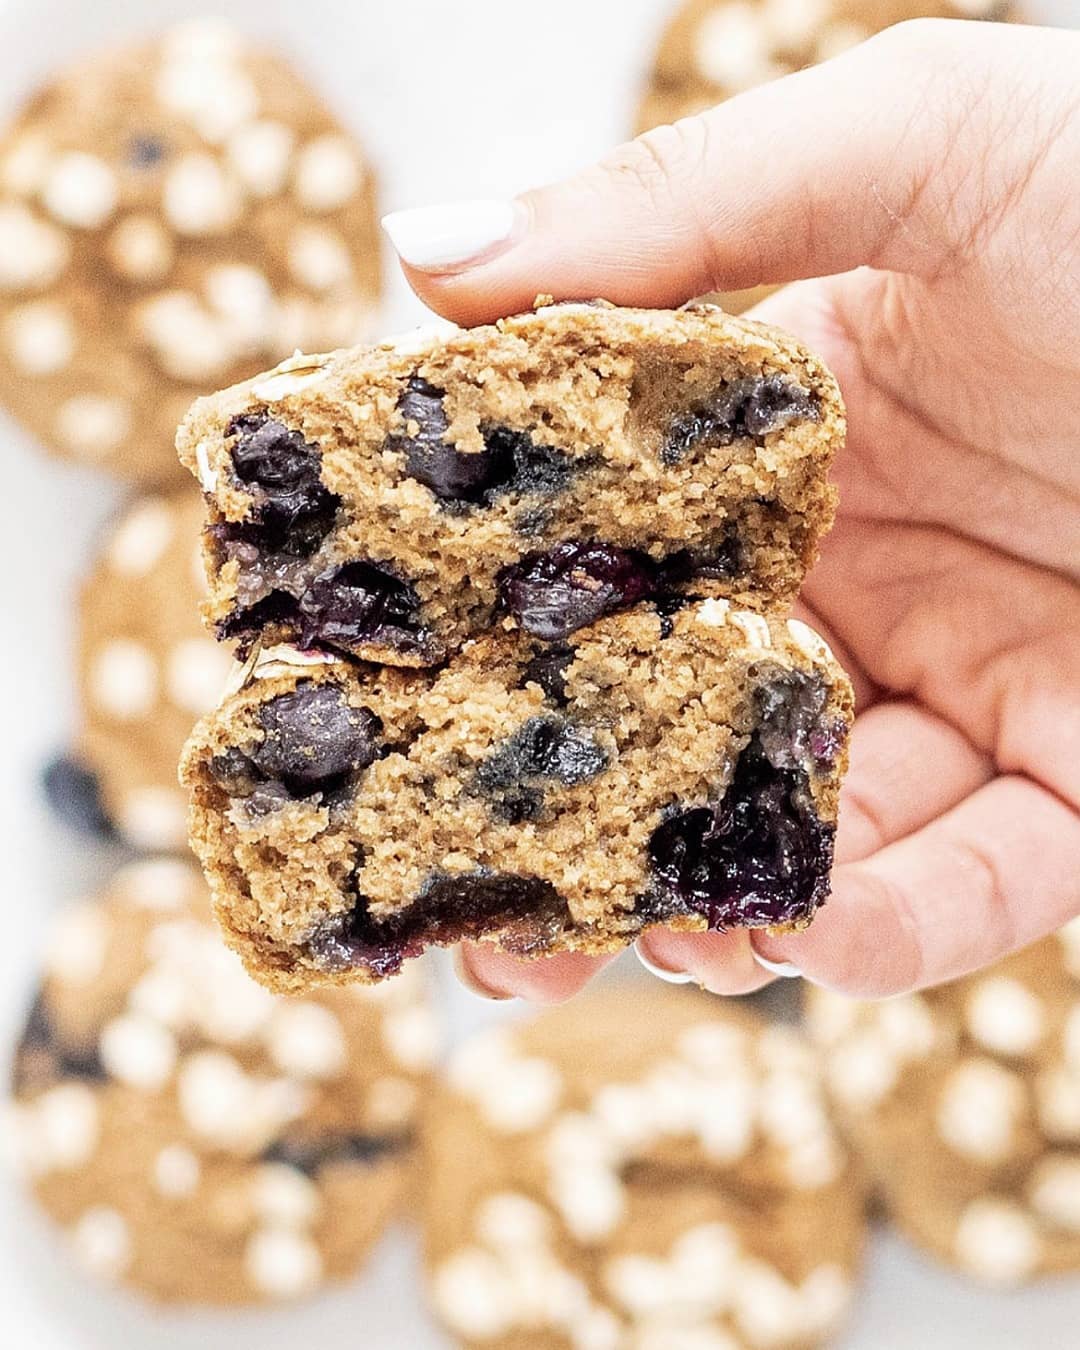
(784, 969)
(451, 236)
(661, 973)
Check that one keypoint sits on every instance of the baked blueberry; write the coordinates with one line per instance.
(746, 407)
(314, 738)
(552, 594)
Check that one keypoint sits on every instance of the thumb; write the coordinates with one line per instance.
(810, 175)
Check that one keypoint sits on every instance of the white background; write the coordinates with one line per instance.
(453, 98)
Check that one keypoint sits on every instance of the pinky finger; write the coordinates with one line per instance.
(495, 974)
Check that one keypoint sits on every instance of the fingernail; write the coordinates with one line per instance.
(784, 969)
(662, 972)
(452, 236)
(468, 977)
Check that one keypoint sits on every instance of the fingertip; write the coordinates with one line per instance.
(494, 974)
(721, 963)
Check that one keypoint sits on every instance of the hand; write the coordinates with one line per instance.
(939, 160)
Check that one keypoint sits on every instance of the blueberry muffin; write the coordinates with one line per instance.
(388, 503)
(174, 215)
(676, 766)
(638, 1170)
(193, 1138)
(963, 1103)
(147, 672)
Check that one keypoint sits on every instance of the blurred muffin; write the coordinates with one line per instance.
(963, 1102)
(147, 671)
(175, 215)
(638, 1170)
(195, 1138)
(714, 49)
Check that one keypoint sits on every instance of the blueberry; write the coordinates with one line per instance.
(760, 856)
(752, 406)
(278, 610)
(509, 459)
(360, 603)
(235, 773)
(293, 510)
(547, 747)
(43, 1057)
(314, 739)
(309, 1154)
(146, 151)
(74, 794)
(553, 594)
(525, 911)
(548, 670)
(788, 711)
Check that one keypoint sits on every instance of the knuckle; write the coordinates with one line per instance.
(660, 160)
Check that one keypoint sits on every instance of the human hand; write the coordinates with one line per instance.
(939, 160)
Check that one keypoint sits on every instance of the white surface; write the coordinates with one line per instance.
(454, 98)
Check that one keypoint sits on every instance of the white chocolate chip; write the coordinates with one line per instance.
(712, 1046)
(978, 1110)
(768, 1310)
(283, 1263)
(123, 680)
(157, 883)
(640, 1285)
(188, 342)
(153, 817)
(327, 173)
(230, 1108)
(705, 1260)
(813, 647)
(1069, 937)
(40, 338)
(138, 1051)
(140, 250)
(259, 154)
(141, 539)
(80, 190)
(997, 1242)
(176, 1172)
(599, 1329)
(195, 674)
(1070, 1037)
(392, 1101)
(1054, 1191)
(203, 39)
(523, 1097)
(208, 481)
(908, 1026)
(411, 1035)
(665, 1335)
(318, 258)
(200, 198)
(470, 1292)
(93, 425)
(590, 1199)
(1057, 1092)
(285, 1197)
(101, 1242)
(244, 301)
(753, 627)
(976, 9)
(306, 1040)
(714, 613)
(862, 1072)
(792, 24)
(1004, 1016)
(77, 944)
(66, 1125)
(216, 96)
(732, 47)
(827, 1295)
(33, 253)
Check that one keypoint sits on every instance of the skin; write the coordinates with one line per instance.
(934, 168)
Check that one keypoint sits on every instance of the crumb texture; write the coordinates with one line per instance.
(390, 503)
(677, 768)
